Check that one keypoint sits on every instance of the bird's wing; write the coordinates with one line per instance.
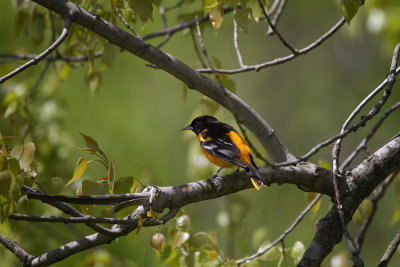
(223, 148)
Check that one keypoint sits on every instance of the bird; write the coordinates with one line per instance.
(224, 147)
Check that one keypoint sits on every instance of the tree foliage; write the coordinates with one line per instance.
(62, 41)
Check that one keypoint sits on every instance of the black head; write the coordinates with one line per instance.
(200, 123)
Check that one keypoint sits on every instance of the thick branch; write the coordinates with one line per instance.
(362, 181)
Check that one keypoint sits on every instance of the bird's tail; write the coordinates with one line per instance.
(254, 173)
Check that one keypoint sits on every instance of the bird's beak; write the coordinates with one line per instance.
(189, 127)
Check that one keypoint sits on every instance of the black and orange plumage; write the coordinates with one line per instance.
(224, 147)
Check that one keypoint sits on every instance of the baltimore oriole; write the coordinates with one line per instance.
(224, 147)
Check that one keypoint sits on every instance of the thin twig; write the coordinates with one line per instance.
(184, 25)
(272, 26)
(164, 26)
(126, 24)
(380, 192)
(71, 211)
(12, 57)
(390, 250)
(285, 233)
(332, 139)
(196, 49)
(357, 261)
(34, 61)
(363, 143)
(277, 16)
(281, 60)
(203, 48)
(235, 42)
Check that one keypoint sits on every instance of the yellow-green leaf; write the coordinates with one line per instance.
(25, 155)
(110, 53)
(297, 251)
(363, 211)
(242, 18)
(216, 17)
(79, 170)
(64, 71)
(5, 183)
(350, 8)
(111, 176)
(309, 198)
(211, 254)
(143, 8)
(255, 8)
(91, 144)
(93, 188)
(123, 185)
(90, 54)
(177, 237)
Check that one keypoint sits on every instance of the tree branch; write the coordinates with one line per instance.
(281, 60)
(12, 246)
(361, 181)
(51, 48)
(391, 249)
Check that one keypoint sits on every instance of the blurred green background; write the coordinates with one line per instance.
(138, 114)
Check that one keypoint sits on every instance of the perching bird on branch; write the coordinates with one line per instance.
(224, 147)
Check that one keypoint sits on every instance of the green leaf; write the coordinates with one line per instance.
(91, 144)
(216, 17)
(324, 164)
(79, 170)
(25, 155)
(110, 53)
(90, 54)
(363, 212)
(272, 254)
(111, 176)
(297, 251)
(93, 188)
(309, 198)
(177, 237)
(144, 8)
(255, 8)
(123, 185)
(211, 254)
(167, 254)
(183, 223)
(53, 185)
(242, 18)
(64, 71)
(6, 208)
(5, 183)
(350, 8)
